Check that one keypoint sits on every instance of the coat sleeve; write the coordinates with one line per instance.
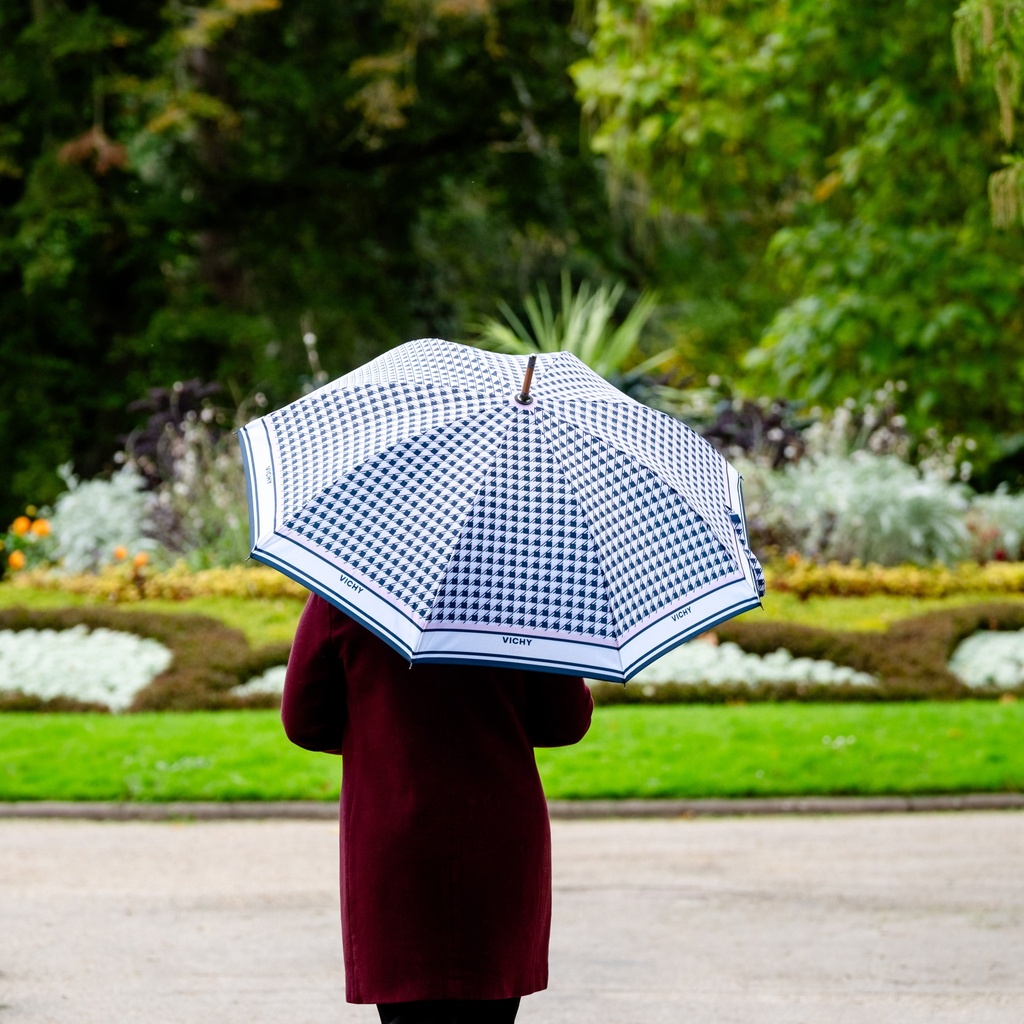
(313, 706)
(558, 709)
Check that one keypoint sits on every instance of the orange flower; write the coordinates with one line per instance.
(120, 552)
(140, 560)
(16, 560)
(21, 525)
(41, 527)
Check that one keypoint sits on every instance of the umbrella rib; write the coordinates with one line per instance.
(470, 503)
(694, 502)
(593, 543)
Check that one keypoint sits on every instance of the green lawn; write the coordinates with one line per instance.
(679, 751)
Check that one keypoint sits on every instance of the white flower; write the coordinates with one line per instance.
(990, 659)
(696, 664)
(103, 666)
(272, 681)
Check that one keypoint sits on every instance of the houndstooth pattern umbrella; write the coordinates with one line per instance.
(576, 532)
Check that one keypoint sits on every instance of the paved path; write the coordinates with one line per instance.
(915, 919)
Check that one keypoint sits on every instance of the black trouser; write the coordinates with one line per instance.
(450, 1011)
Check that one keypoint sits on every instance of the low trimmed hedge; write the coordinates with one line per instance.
(805, 579)
(836, 579)
(910, 660)
(125, 584)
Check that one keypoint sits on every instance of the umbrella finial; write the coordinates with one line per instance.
(523, 398)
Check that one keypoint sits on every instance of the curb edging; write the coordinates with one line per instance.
(312, 810)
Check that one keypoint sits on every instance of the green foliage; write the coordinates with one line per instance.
(828, 173)
(187, 191)
(694, 110)
(191, 190)
(583, 325)
(988, 39)
(686, 99)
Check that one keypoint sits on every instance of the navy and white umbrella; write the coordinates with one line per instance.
(577, 531)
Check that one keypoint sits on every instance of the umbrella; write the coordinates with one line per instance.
(483, 508)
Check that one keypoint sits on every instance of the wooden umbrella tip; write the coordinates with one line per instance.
(523, 398)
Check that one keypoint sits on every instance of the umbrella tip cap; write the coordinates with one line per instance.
(523, 398)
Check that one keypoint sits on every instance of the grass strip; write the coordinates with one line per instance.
(871, 613)
(264, 621)
(793, 749)
(673, 751)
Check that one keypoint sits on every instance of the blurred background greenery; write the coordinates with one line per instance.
(778, 215)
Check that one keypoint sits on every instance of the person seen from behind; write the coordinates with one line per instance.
(445, 837)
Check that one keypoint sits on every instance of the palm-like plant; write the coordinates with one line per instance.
(584, 326)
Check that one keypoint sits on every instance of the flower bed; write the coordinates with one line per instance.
(212, 666)
(208, 662)
(909, 661)
(989, 659)
(102, 667)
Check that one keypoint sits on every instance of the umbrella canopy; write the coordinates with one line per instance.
(570, 529)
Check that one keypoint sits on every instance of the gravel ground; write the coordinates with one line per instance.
(746, 920)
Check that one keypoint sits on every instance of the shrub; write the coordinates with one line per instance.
(92, 519)
(584, 325)
(809, 579)
(199, 510)
(190, 460)
(125, 583)
(910, 660)
(988, 658)
(98, 665)
(27, 543)
(996, 525)
(864, 508)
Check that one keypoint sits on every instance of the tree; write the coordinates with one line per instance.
(988, 40)
(79, 241)
(830, 170)
(187, 192)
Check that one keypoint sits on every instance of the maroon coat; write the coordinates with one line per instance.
(445, 841)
